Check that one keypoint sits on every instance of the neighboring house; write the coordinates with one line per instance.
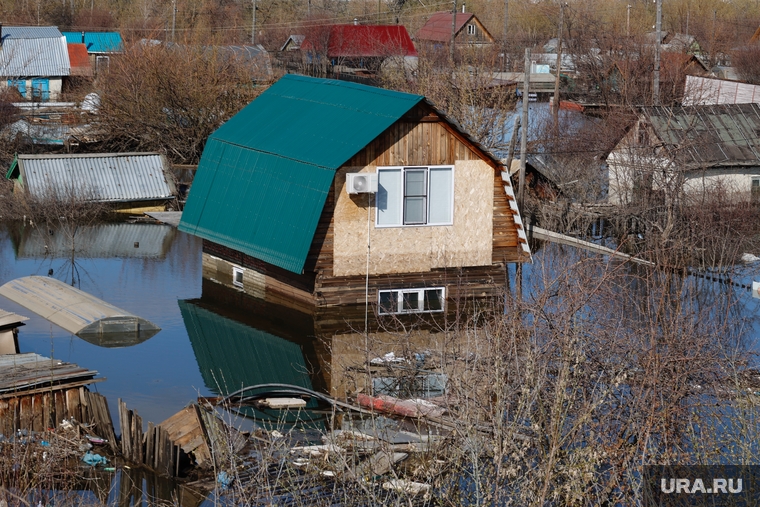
(34, 60)
(358, 46)
(469, 30)
(382, 199)
(293, 43)
(126, 180)
(704, 90)
(673, 151)
(101, 46)
(80, 61)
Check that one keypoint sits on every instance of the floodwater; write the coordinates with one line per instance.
(212, 339)
(157, 377)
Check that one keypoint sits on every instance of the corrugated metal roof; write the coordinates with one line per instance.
(33, 57)
(97, 42)
(708, 136)
(264, 175)
(103, 241)
(30, 32)
(438, 27)
(75, 311)
(7, 319)
(365, 41)
(79, 60)
(113, 177)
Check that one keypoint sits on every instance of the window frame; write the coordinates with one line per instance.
(402, 298)
(403, 197)
(237, 270)
(471, 29)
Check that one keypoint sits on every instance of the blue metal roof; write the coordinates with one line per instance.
(264, 175)
(97, 42)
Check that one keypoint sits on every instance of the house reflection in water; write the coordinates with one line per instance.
(122, 240)
(242, 341)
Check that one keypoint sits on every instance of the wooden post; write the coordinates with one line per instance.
(512, 145)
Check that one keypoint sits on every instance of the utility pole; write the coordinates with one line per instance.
(506, 27)
(524, 136)
(253, 25)
(453, 30)
(628, 22)
(174, 18)
(658, 32)
(555, 102)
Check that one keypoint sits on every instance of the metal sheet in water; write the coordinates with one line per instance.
(74, 310)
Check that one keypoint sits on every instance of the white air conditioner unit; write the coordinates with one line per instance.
(361, 183)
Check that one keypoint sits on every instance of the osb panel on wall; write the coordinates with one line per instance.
(468, 242)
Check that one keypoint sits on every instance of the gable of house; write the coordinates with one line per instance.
(33, 52)
(437, 29)
(264, 175)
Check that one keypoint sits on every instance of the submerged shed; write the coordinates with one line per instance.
(118, 178)
(78, 312)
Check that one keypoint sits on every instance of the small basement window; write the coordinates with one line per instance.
(755, 189)
(411, 300)
(237, 276)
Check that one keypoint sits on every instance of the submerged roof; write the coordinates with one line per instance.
(110, 177)
(264, 175)
(80, 61)
(438, 27)
(97, 42)
(74, 310)
(33, 52)
(708, 135)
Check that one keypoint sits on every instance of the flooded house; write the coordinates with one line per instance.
(128, 181)
(323, 193)
(34, 60)
(690, 150)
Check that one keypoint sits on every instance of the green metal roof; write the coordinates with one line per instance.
(264, 175)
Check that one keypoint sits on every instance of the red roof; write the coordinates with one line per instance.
(80, 60)
(438, 27)
(366, 41)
